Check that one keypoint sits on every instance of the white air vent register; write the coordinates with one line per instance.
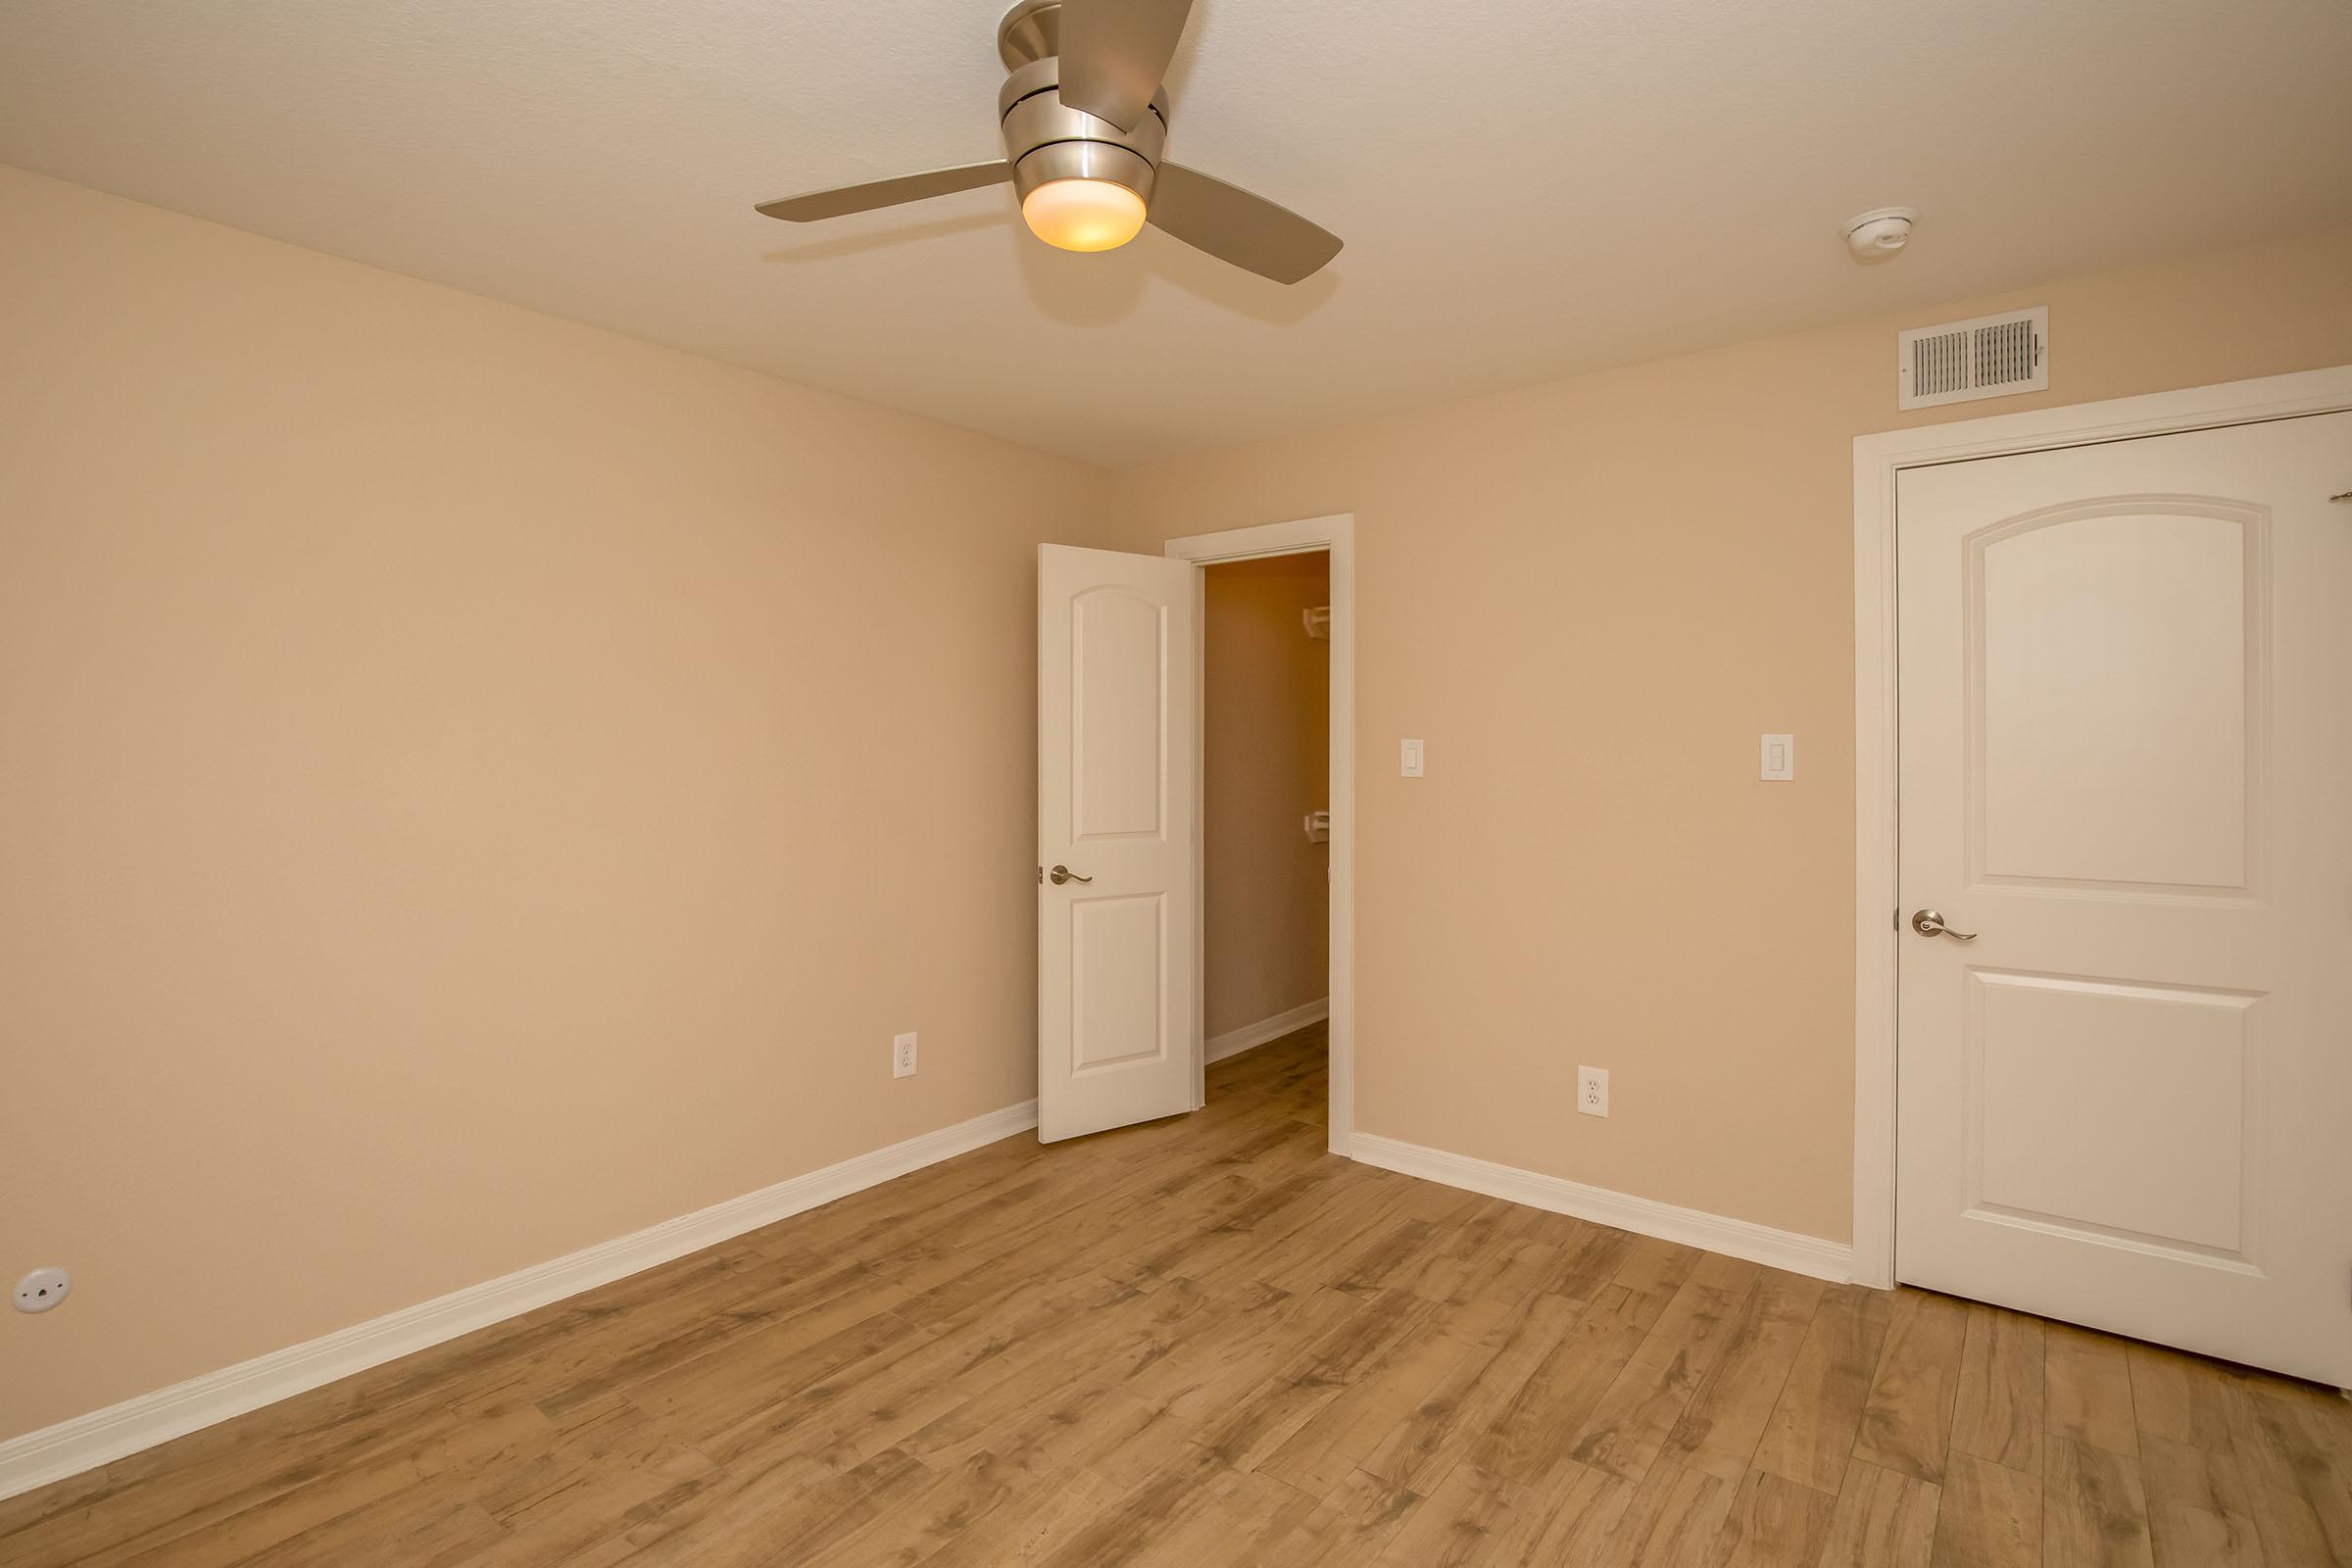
(1989, 357)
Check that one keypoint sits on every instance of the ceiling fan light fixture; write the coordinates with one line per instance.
(1087, 168)
(1082, 215)
(1084, 195)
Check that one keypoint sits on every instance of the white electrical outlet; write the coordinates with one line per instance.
(1592, 1091)
(902, 1057)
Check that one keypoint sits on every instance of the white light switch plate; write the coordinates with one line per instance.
(1408, 759)
(1779, 757)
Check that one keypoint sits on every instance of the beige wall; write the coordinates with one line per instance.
(1590, 598)
(1266, 720)
(474, 786)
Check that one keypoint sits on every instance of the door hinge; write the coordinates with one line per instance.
(1041, 874)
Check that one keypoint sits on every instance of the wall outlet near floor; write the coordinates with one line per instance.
(902, 1056)
(1592, 1091)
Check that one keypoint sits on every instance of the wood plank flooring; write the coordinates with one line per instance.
(1206, 1342)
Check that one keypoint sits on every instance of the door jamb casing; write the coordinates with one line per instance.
(1878, 459)
(1334, 535)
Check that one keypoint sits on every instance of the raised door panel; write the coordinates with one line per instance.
(2123, 1115)
(2116, 701)
(1119, 756)
(1119, 1006)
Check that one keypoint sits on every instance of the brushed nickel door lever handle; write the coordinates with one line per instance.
(1928, 923)
(1063, 873)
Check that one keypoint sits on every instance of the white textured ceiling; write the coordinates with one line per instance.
(1527, 187)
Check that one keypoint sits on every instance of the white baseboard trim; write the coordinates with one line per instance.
(1717, 1233)
(101, 1436)
(1249, 1036)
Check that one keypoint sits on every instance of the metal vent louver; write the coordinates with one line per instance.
(1989, 357)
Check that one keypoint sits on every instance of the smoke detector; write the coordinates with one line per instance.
(1879, 233)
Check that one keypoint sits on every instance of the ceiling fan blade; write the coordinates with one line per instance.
(865, 198)
(1114, 53)
(1234, 225)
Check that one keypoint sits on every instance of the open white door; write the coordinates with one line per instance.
(2127, 881)
(1115, 781)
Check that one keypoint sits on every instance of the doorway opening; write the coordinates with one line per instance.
(1330, 543)
(1265, 817)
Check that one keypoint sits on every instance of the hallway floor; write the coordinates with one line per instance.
(1206, 1342)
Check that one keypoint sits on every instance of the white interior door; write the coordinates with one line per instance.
(1115, 786)
(2127, 767)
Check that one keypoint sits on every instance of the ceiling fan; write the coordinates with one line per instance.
(1084, 119)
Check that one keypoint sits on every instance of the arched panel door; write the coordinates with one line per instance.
(1115, 783)
(2126, 791)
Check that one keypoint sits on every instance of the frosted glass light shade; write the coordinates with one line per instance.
(1082, 215)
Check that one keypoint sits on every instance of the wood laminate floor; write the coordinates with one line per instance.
(1206, 1342)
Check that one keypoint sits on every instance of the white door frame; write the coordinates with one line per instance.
(1335, 534)
(1878, 459)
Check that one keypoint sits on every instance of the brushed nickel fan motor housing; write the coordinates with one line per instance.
(1045, 139)
(1030, 31)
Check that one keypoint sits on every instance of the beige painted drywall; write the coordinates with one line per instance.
(1266, 762)
(472, 786)
(1590, 598)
